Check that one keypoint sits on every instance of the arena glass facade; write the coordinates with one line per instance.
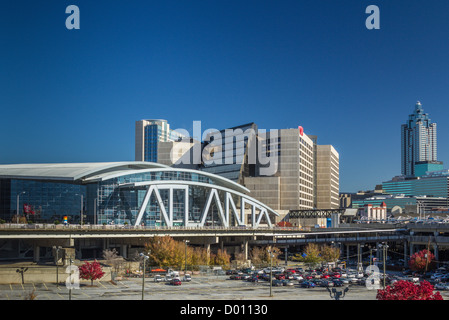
(135, 193)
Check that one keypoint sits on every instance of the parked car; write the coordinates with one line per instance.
(253, 279)
(287, 283)
(289, 275)
(265, 277)
(298, 277)
(441, 286)
(168, 278)
(176, 282)
(308, 284)
(336, 275)
(157, 278)
(280, 276)
(277, 283)
(337, 283)
(187, 277)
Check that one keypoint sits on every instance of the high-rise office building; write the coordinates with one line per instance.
(286, 168)
(418, 141)
(148, 135)
(327, 177)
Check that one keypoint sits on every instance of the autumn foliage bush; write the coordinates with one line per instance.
(406, 290)
(165, 251)
(91, 271)
(422, 260)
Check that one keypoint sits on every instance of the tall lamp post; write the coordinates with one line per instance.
(57, 248)
(384, 246)
(143, 275)
(185, 259)
(270, 252)
(18, 198)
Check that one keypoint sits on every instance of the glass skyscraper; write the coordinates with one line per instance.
(148, 135)
(418, 141)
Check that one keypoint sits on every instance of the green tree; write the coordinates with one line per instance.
(260, 255)
(311, 255)
(329, 253)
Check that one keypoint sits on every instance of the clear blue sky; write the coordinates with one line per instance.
(74, 95)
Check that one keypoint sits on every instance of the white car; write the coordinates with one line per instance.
(298, 277)
(157, 278)
(187, 277)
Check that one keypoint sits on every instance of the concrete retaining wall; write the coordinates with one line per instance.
(40, 274)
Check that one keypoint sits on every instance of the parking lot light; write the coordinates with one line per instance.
(143, 274)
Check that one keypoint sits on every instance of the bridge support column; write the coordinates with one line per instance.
(405, 254)
(36, 253)
(124, 251)
(245, 249)
(435, 252)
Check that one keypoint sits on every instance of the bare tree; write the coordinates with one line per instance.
(113, 259)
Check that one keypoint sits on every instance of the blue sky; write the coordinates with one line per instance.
(74, 95)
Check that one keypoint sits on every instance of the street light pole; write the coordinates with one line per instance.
(143, 275)
(271, 272)
(185, 259)
(384, 246)
(57, 265)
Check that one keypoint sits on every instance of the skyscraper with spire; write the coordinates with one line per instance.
(418, 142)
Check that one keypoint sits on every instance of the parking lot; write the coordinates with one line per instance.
(231, 286)
(200, 288)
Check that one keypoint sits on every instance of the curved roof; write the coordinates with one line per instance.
(219, 180)
(70, 171)
(98, 171)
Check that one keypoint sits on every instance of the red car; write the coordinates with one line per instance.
(336, 275)
(280, 276)
(325, 276)
(176, 282)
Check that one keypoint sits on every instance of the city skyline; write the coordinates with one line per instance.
(74, 95)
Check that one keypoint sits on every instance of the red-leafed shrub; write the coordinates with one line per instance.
(91, 271)
(406, 290)
(421, 260)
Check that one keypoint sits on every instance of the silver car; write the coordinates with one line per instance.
(157, 278)
(187, 277)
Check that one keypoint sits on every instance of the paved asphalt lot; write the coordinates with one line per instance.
(200, 288)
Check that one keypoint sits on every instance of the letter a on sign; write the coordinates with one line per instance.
(373, 21)
(72, 21)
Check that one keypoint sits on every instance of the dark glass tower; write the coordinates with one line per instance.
(418, 141)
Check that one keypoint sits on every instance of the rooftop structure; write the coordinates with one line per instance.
(135, 193)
